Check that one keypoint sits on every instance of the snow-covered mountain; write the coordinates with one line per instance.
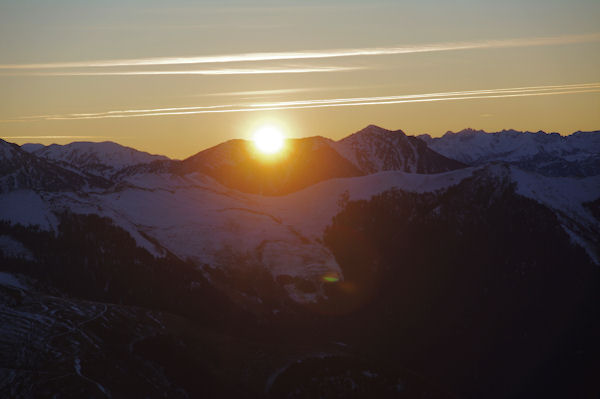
(101, 159)
(547, 153)
(21, 170)
(374, 149)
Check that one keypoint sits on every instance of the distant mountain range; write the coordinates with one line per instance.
(101, 159)
(547, 153)
(22, 170)
(472, 254)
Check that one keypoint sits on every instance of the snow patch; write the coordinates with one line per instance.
(10, 280)
(12, 248)
(27, 208)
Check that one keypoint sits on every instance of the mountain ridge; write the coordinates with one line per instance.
(99, 158)
(21, 170)
(236, 164)
(551, 154)
(309, 160)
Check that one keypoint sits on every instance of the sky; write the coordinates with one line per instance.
(177, 77)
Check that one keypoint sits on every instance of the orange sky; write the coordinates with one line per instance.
(174, 78)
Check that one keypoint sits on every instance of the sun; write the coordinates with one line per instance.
(268, 139)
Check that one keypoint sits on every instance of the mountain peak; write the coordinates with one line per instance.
(305, 161)
(465, 132)
(375, 149)
(375, 127)
(377, 130)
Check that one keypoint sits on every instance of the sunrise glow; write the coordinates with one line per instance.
(268, 139)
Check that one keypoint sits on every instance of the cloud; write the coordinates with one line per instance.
(56, 137)
(232, 71)
(260, 92)
(517, 90)
(315, 54)
(335, 102)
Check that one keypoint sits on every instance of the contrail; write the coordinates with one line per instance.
(316, 54)
(335, 102)
(57, 137)
(260, 92)
(341, 104)
(284, 91)
(409, 96)
(232, 71)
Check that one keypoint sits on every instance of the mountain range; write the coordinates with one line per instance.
(485, 237)
(549, 154)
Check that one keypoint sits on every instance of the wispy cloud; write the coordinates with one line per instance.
(209, 72)
(316, 54)
(514, 90)
(260, 92)
(334, 102)
(56, 137)
(257, 93)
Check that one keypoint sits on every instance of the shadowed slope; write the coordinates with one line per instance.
(307, 161)
(304, 162)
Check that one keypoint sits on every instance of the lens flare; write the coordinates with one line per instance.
(331, 277)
